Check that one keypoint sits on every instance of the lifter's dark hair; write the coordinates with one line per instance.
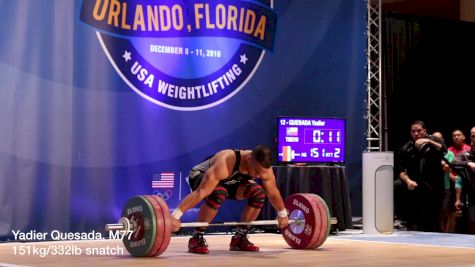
(263, 155)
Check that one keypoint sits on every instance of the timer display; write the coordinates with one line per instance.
(310, 139)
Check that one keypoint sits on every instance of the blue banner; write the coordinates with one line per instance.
(93, 112)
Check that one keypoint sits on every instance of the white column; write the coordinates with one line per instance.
(378, 192)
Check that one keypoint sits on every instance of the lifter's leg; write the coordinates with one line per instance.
(256, 197)
(210, 208)
(250, 213)
(208, 211)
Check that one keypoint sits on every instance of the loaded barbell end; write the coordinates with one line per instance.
(148, 220)
(124, 224)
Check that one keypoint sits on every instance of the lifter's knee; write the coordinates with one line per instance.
(256, 196)
(217, 197)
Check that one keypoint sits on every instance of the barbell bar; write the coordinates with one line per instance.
(147, 220)
(125, 225)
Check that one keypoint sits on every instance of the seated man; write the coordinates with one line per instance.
(230, 174)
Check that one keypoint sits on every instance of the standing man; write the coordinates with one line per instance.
(420, 170)
(464, 163)
(230, 174)
(453, 192)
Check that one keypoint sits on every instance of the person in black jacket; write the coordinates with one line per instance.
(421, 179)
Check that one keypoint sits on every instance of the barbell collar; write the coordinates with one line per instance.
(115, 227)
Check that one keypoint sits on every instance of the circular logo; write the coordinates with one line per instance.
(183, 55)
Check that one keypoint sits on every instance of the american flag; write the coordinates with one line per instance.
(292, 131)
(163, 180)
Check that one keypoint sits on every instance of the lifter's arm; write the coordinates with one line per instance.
(205, 188)
(275, 198)
(218, 170)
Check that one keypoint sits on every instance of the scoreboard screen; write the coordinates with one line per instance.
(310, 140)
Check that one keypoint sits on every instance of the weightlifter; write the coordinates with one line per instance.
(230, 174)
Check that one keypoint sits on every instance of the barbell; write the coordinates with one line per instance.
(147, 225)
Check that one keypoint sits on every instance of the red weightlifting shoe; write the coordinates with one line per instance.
(197, 244)
(240, 242)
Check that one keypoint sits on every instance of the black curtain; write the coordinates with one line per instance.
(429, 74)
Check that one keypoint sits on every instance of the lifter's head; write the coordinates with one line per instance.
(263, 155)
(260, 161)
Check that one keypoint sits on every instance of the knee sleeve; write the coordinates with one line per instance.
(256, 195)
(217, 197)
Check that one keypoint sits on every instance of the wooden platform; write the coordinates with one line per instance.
(274, 252)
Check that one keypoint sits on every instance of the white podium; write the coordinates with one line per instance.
(378, 192)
